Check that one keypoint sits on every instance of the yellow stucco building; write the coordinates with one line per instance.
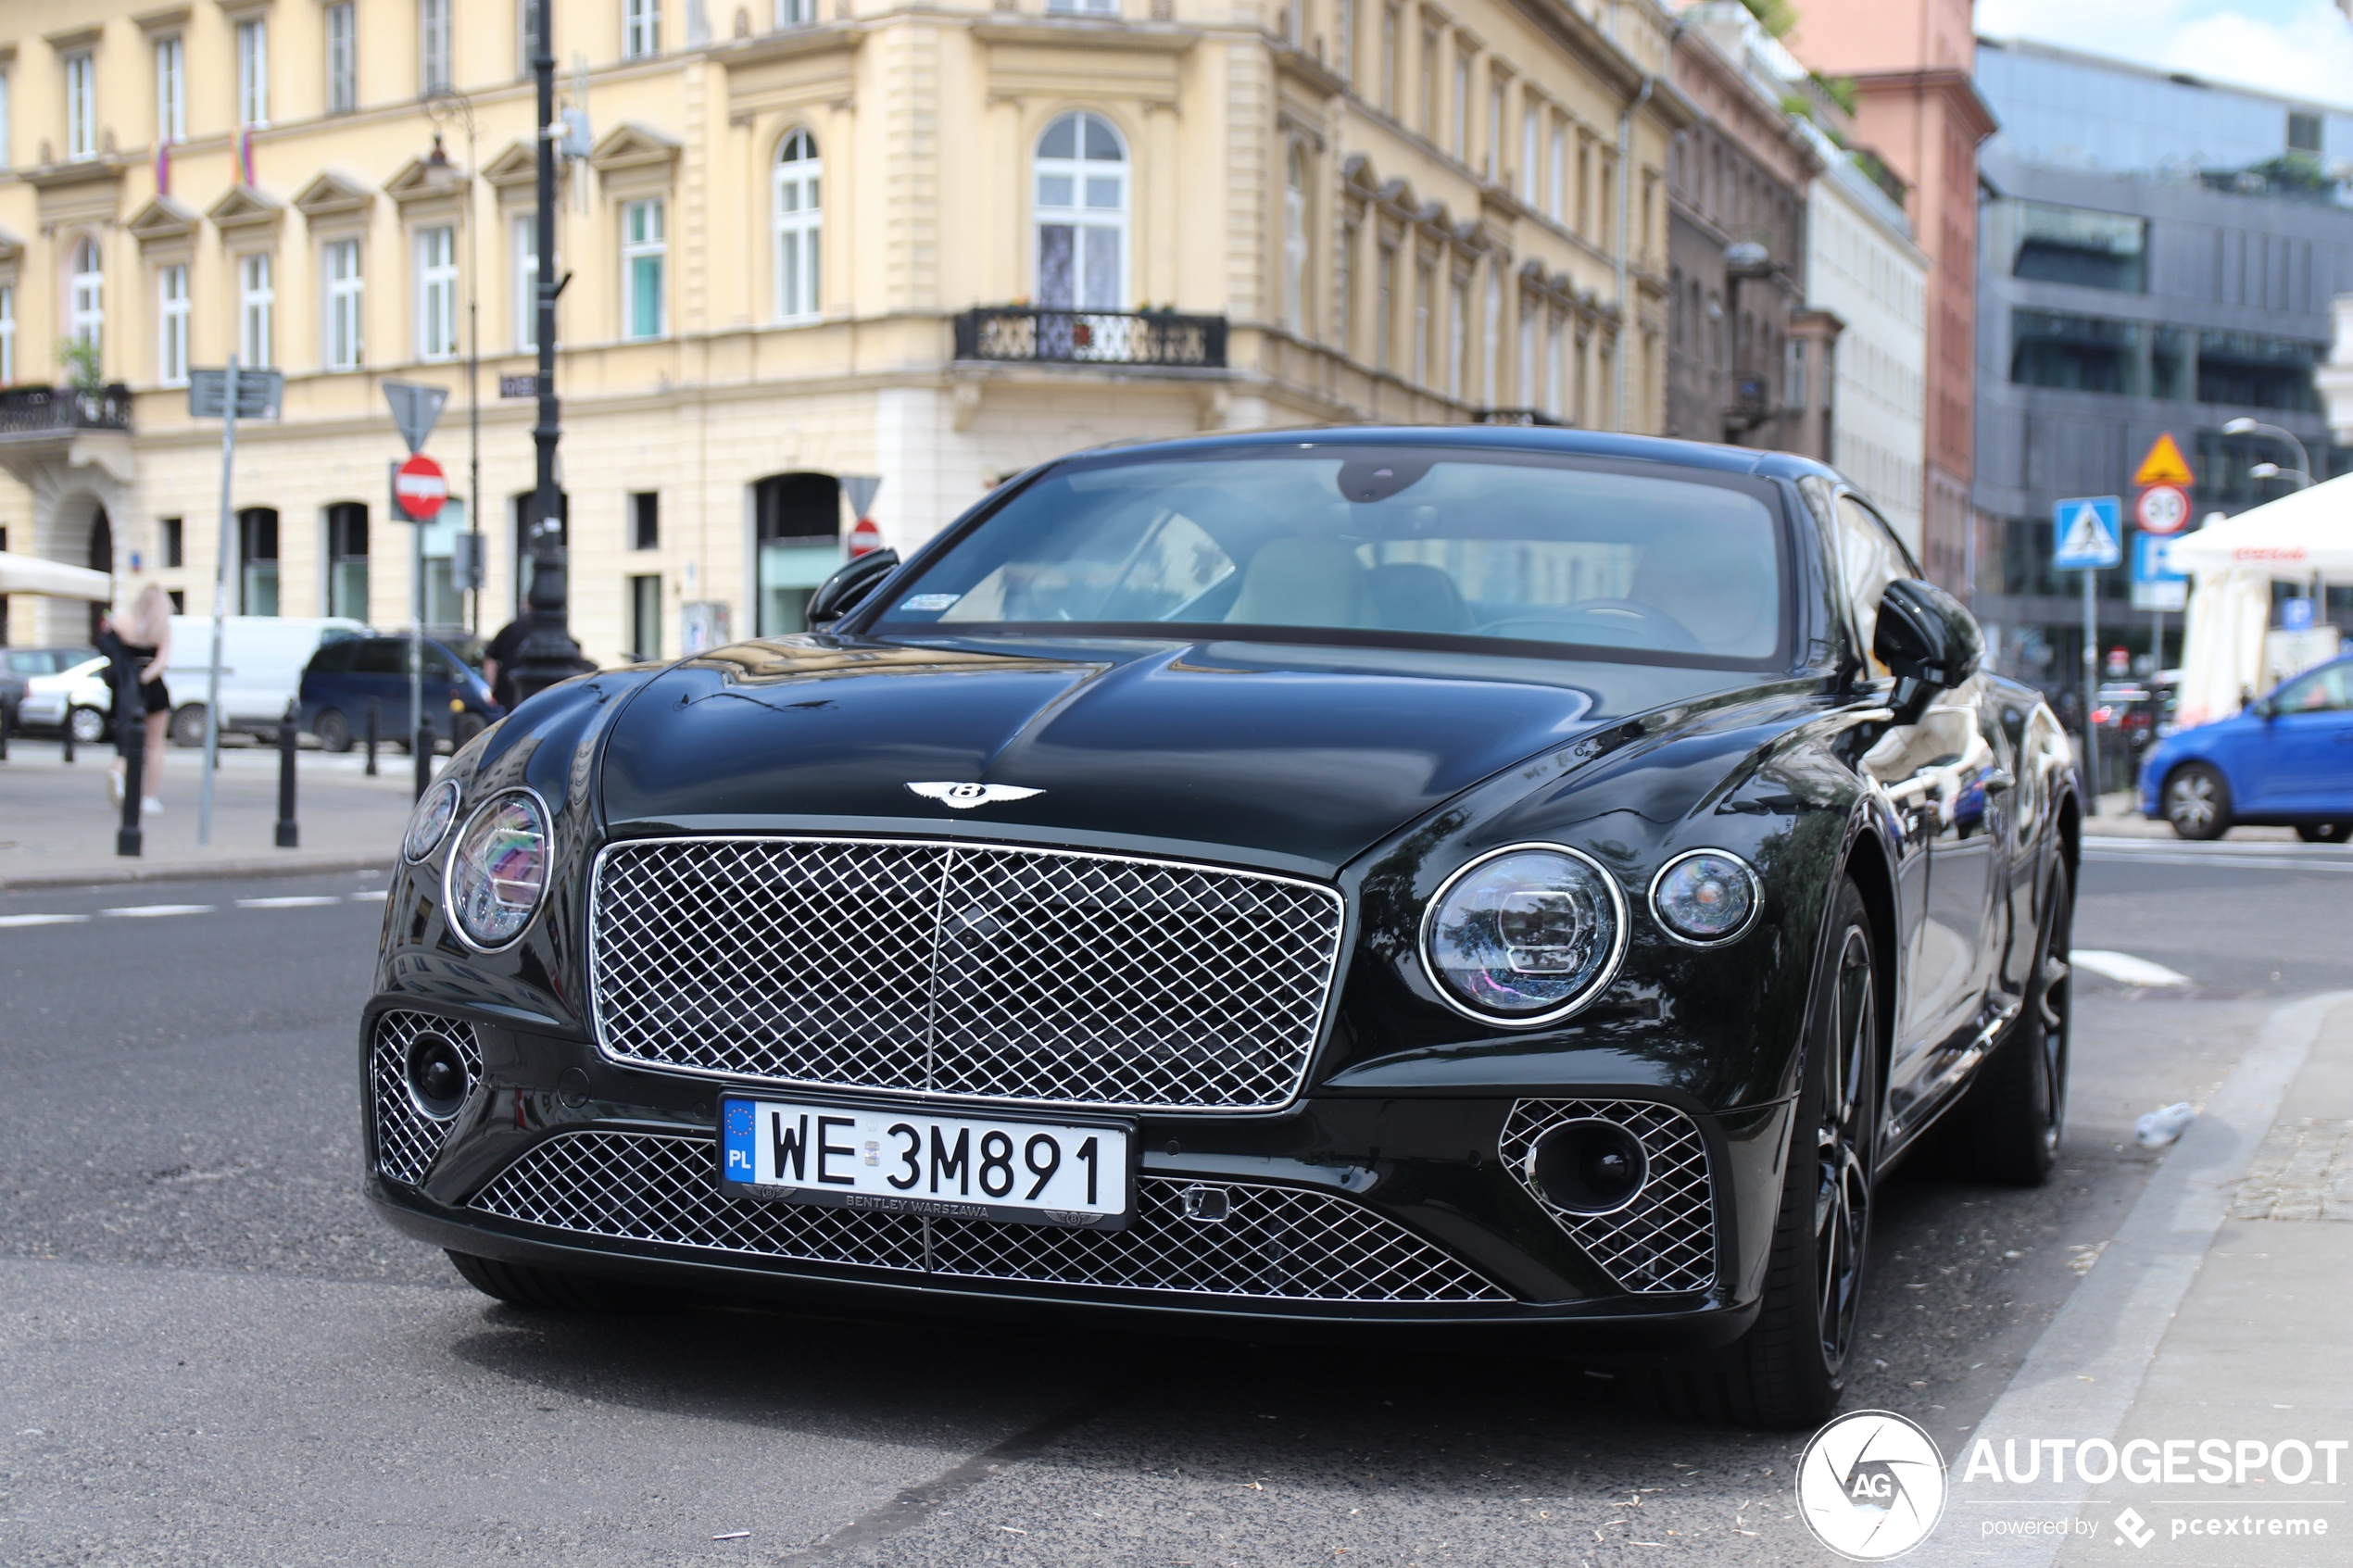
(929, 242)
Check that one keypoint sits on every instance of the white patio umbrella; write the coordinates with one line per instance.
(31, 574)
(2232, 565)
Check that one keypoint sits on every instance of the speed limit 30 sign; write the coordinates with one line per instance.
(2162, 509)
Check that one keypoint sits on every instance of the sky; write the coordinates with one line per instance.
(2298, 48)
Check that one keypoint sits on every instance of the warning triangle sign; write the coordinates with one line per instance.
(2164, 465)
(2087, 541)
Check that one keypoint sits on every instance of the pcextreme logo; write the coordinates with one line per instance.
(1871, 1485)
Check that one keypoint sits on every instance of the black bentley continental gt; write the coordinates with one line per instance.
(1506, 877)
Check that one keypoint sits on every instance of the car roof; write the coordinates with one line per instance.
(1545, 439)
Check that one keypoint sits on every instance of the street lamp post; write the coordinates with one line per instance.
(2244, 426)
(548, 654)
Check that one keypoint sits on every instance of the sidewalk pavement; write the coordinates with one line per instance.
(57, 827)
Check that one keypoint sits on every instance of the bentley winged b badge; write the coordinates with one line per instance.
(964, 797)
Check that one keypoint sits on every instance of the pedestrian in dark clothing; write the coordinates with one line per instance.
(136, 655)
(500, 659)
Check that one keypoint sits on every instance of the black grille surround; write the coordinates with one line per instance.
(961, 971)
(407, 1139)
(1274, 1244)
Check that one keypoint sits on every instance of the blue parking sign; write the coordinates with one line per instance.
(2088, 533)
(2153, 558)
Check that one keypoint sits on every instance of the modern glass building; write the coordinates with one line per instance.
(2154, 255)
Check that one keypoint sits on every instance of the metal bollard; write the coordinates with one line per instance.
(131, 732)
(3, 731)
(421, 747)
(289, 837)
(375, 721)
(69, 751)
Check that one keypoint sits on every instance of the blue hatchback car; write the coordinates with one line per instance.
(344, 677)
(2286, 761)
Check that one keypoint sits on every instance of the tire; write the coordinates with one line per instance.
(2325, 833)
(334, 732)
(536, 1289)
(2197, 801)
(2008, 1129)
(1789, 1369)
(89, 726)
(187, 725)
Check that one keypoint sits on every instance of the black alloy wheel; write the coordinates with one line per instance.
(2197, 801)
(1789, 1369)
(2008, 1128)
(2325, 833)
(333, 730)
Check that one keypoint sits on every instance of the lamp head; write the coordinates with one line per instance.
(2240, 426)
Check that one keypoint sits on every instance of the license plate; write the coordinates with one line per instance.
(907, 1162)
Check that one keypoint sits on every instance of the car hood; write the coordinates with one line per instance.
(1285, 754)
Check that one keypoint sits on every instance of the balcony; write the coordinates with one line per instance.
(1515, 417)
(1024, 334)
(59, 410)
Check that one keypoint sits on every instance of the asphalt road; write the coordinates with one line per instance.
(211, 1352)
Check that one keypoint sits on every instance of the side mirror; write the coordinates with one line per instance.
(849, 586)
(1926, 639)
(2262, 708)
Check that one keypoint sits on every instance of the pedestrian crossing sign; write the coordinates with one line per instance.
(2088, 533)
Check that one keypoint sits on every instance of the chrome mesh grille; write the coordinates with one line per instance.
(1276, 1243)
(407, 1139)
(979, 971)
(1665, 1240)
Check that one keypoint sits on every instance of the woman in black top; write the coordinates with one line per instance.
(137, 653)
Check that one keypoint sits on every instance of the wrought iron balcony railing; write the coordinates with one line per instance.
(37, 410)
(1032, 334)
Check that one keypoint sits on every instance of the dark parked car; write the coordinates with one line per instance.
(19, 665)
(2286, 760)
(1510, 877)
(344, 677)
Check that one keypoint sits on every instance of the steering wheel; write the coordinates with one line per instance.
(1661, 630)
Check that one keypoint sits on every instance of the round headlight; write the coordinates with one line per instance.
(1705, 896)
(499, 870)
(1524, 935)
(430, 822)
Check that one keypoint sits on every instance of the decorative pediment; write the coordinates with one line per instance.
(246, 210)
(421, 179)
(333, 195)
(519, 164)
(630, 146)
(162, 219)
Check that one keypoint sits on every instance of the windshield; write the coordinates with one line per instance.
(1356, 544)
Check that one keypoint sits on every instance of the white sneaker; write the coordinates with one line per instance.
(114, 789)
(152, 807)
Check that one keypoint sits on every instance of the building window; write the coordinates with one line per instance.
(346, 297)
(1295, 240)
(1344, 39)
(1344, 290)
(87, 304)
(343, 60)
(256, 306)
(437, 293)
(1462, 105)
(172, 89)
(1492, 156)
(348, 560)
(640, 28)
(1428, 85)
(643, 250)
(1391, 23)
(1085, 7)
(253, 72)
(2067, 244)
(1082, 215)
(258, 553)
(8, 334)
(1424, 301)
(172, 542)
(5, 160)
(1556, 189)
(796, 13)
(1385, 310)
(82, 107)
(797, 533)
(644, 619)
(1457, 337)
(171, 319)
(1526, 367)
(799, 206)
(525, 251)
(1552, 368)
(527, 14)
(1532, 159)
(433, 44)
(645, 520)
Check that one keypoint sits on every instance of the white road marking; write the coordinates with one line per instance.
(2125, 969)
(296, 901)
(376, 895)
(147, 911)
(42, 920)
(2231, 860)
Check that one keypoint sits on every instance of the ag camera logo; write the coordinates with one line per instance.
(1871, 1485)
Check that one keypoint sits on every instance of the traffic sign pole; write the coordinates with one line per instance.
(220, 607)
(2085, 531)
(418, 489)
(2091, 686)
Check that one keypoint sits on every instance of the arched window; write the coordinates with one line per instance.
(1295, 240)
(1082, 215)
(798, 204)
(89, 304)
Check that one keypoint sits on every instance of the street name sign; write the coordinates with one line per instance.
(421, 488)
(259, 393)
(2164, 464)
(2087, 532)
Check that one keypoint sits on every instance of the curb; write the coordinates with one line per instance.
(218, 870)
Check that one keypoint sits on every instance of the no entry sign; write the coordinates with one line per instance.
(864, 538)
(421, 488)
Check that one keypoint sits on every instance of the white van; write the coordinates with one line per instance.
(261, 660)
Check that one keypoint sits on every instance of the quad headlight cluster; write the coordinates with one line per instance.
(498, 873)
(1529, 934)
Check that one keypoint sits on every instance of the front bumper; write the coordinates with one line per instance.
(1401, 1207)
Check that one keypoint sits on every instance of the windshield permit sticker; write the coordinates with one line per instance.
(931, 601)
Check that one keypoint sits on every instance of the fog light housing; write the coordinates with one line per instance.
(1588, 1167)
(437, 1076)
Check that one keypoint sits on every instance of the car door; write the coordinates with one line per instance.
(2306, 746)
(380, 670)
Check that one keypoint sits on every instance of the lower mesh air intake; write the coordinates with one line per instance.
(1665, 1239)
(406, 1136)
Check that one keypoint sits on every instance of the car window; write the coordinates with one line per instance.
(1645, 564)
(335, 659)
(1868, 560)
(29, 663)
(379, 656)
(2323, 691)
(437, 665)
